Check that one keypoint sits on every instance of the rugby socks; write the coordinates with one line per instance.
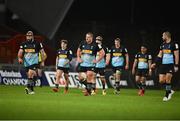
(41, 80)
(89, 87)
(143, 85)
(66, 88)
(117, 86)
(139, 85)
(30, 84)
(103, 84)
(168, 89)
(57, 86)
(94, 86)
(83, 82)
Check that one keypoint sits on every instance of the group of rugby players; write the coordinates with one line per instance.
(93, 57)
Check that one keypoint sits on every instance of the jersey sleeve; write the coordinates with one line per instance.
(57, 53)
(176, 46)
(149, 57)
(125, 50)
(136, 56)
(70, 55)
(161, 47)
(99, 47)
(41, 46)
(80, 45)
(21, 46)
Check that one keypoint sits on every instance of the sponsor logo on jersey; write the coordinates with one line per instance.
(87, 51)
(117, 54)
(29, 50)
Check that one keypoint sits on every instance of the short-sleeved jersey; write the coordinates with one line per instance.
(88, 53)
(102, 62)
(64, 57)
(142, 60)
(118, 56)
(168, 52)
(31, 51)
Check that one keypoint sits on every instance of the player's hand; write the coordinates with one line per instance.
(95, 61)
(150, 72)
(107, 63)
(176, 68)
(20, 61)
(42, 64)
(126, 67)
(67, 62)
(79, 60)
(133, 71)
(153, 66)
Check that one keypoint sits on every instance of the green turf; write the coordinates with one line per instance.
(15, 104)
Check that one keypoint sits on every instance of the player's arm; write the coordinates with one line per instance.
(149, 64)
(108, 57)
(43, 55)
(20, 54)
(157, 59)
(127, 61)
(79, 55)
(134, 66)
(101, 55)
(57, 58)
(176, 56)
(69, 57)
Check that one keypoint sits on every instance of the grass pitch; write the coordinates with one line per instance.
(45, 104)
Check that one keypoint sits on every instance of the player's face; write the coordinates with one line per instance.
(164, 36)
(143, 49)
(29, 37)
(117, 43)
(89, 38)
(63, 45)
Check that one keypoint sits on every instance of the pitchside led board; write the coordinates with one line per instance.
(19, 78)
(10, 77)
(73, 80)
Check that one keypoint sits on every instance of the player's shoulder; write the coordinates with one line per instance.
(82, 42)
(174, 42)
(112, 47)
(138, 53)
(24, 43)
(37, 42)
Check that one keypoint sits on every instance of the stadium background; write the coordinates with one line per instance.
(134, 21)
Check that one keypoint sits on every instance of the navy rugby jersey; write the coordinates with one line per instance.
(168, 52)
(102, 62)
(142, 60)
(64, 57)
(31, 50)
(88, 53)
(118, 56)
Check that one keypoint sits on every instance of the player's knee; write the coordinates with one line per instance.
(90, 74)
(82, 76)
(118, 72)
(161, 81)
